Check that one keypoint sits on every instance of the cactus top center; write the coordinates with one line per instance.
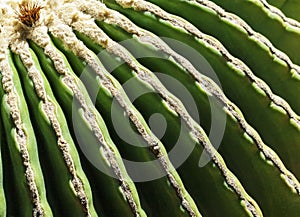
(29, 13)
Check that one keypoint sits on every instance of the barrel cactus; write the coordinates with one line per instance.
(149, 108)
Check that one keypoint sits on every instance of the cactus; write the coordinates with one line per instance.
(149, 108)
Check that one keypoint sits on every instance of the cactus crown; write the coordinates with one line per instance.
(29, 13)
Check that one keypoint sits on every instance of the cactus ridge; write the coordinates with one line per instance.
(117, 92)
(21, 139)
(256, 135)
(273, 142)
(289, 8)
(2, 169)
(140, 5)
(211, 88)
(279, 24)
(236, 29)
(90, 116)
(173, 103)
(50, 69)
(278, 12)
(50, 110)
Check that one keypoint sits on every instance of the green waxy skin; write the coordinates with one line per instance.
(23, 205)
(7, 168)
(289, 7)
(111, 193)
(150, 104)
(282, 35)
(233, 136)
(2, 148)
(104, 103)
(63, 195)
(234, 145)
(258, 57)
(255, 106)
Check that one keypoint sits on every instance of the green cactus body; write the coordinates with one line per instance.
(3, 209)
(272, 60)
(227, 66)
(290, 8)
(84, 85)
(282, 32)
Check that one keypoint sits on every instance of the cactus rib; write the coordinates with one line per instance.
(287, 7)
(289, 116)
(196, 180)
(207, 84)
(91, 117)
(263, 56)
(225, 149)
(49, 108)
(276, 11)
(2, 143)
(90, 29)
(284, 32)
(212, 89)
(21, 138)
(141, 5)
(107, 81)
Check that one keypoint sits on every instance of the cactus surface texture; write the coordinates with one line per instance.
(159, 108)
